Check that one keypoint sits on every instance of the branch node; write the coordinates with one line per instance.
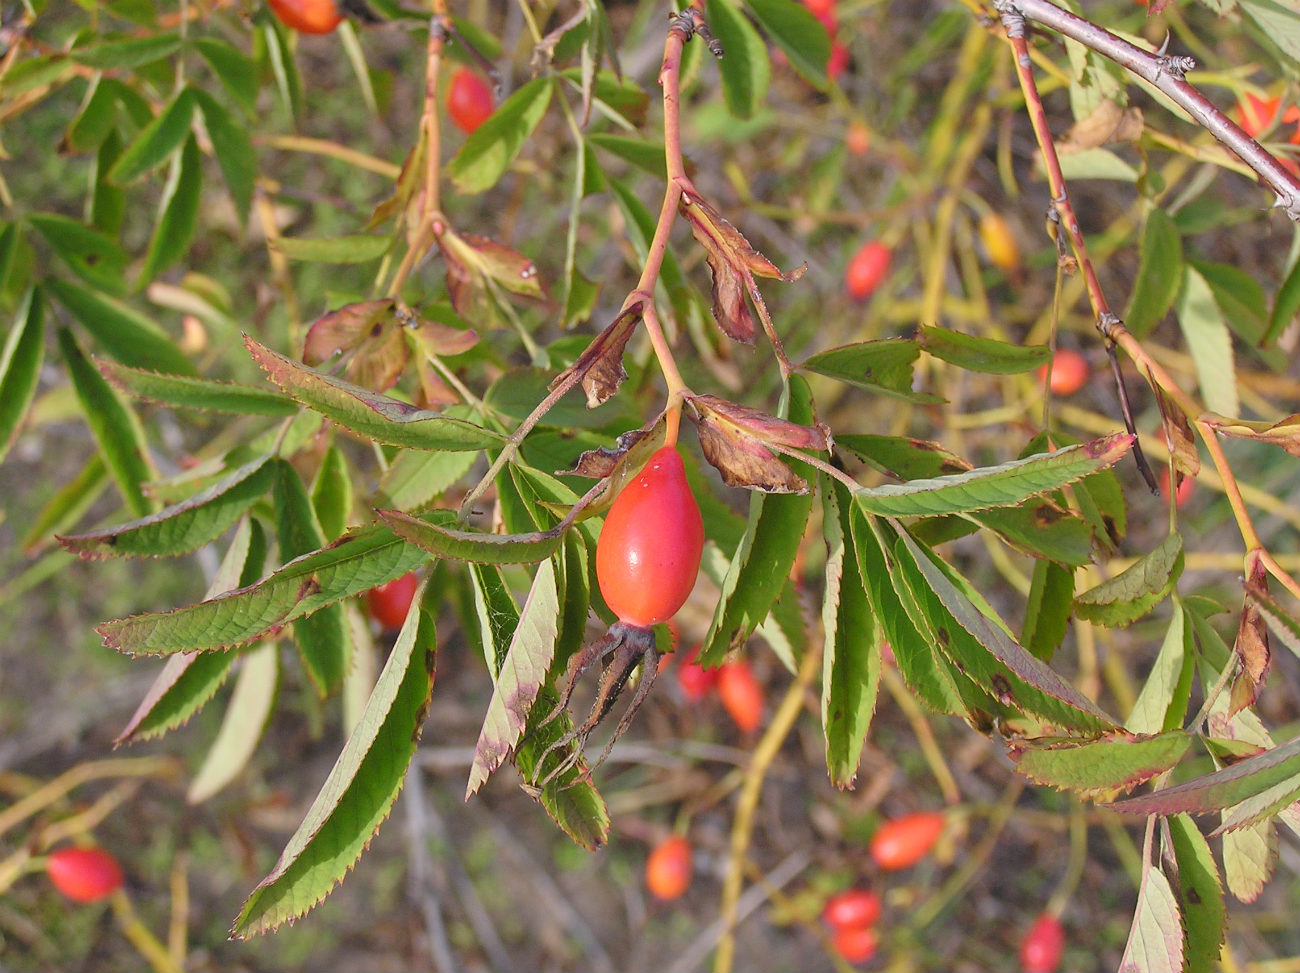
(1013, 19)
(1106, 322)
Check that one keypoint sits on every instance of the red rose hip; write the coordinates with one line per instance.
(649, 550)
(741, 694)
(469, 102)
(866, 269)
(307, 16)
(1043, 945)
(84, 874)
(903, 842)
(669, 868)
(852, 908)
(389, 603)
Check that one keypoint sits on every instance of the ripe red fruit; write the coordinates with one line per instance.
(308, 16)
(820, 8)
(668, 870)
(838, 61)
(1070, 372)
(650, 547)
(852, 908)
(866, 269)
(741, 694)
(903, 842)
(469, 102)
(84, 874)
(693, 679)
(1041, 949)
(856, 944)
(389, 603)
(1184, 491)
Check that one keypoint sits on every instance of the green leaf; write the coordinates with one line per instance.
(1249, 856)
(767, 551)
(642, 153)
(156, 141)
(1155, 940)
(1224, 788)
(520, 678)
(114, 426)
(89, 254)
(107, 201)
(233, 150)
(464, 545)
(20, 366)
(182, 392)
(983, 650)
(1200, 894)
(883, 365)
(97, 116)
(1133, 592)
(1286, 305)
(1210, 343)
(1048, 609)
(1159, 273)
(122, 331)
(246, 718)
(1163, 700)
(1040, 528)
(928, 673)
(181, 528)
(571, 800)
(375, 416)
(361, 559)
(851, 657)
(359, 792)
(993, 486)
(353, 249)
(978, 354)
(278, 53)
(321, 637)
(126, 52)
(799, 34)
(489, 150)
(180, 207)
(1121, 761)
(745, 68)
(235, 69)
(190, 679)
(37, 72)
(902, 457)
(331, 493)
(416, 477)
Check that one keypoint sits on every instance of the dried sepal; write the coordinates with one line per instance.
(1251, 645)
(1178, 434)
(370, 334)
(736, 439)
(734, 264)
(600, 463)
(472, 261)
(600, 366)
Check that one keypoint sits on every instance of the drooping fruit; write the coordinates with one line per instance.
(741, 694)
(852, 908)
(84, 874)
(1043, 945)
(866, 269)
(469, 101)
(856, 944)
(390, 602)
(1070, 372)
(650, 547)
(669, 868)
(903, 842)
(308, 16)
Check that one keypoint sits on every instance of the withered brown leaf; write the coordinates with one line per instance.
(370, 333)
(600, 367)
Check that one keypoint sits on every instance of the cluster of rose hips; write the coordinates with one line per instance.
(734, 682)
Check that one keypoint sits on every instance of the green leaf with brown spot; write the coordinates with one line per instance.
(1115, 762)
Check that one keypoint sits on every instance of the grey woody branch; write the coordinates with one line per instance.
(1166, 73)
